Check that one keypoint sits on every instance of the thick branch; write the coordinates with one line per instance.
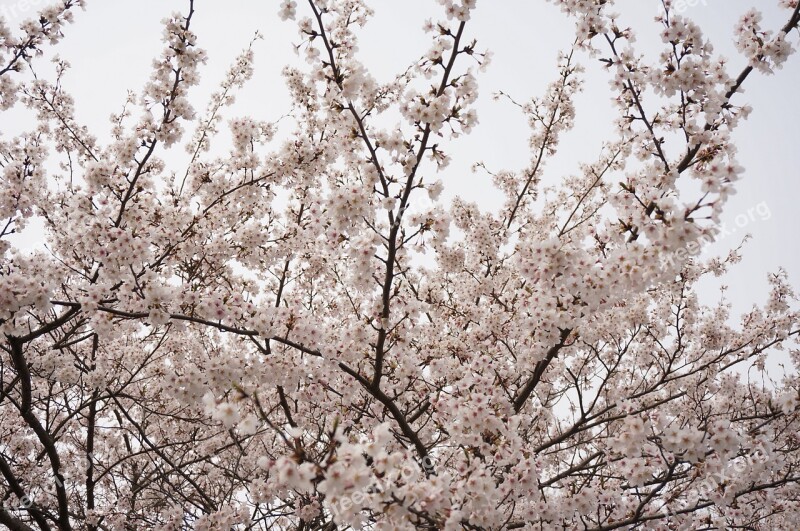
(538, 371)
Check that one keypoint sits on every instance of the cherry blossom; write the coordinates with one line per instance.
(301, 330)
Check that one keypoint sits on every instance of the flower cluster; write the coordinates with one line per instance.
(44, 29)
(762, 49)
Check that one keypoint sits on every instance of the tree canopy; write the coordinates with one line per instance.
(293, 330)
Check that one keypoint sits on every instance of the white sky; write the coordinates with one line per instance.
(112, 44)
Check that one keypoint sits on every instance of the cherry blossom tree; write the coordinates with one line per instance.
(293, 331)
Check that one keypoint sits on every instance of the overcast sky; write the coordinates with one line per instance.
(112, 44)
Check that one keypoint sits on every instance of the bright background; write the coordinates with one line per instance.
(111, 46)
